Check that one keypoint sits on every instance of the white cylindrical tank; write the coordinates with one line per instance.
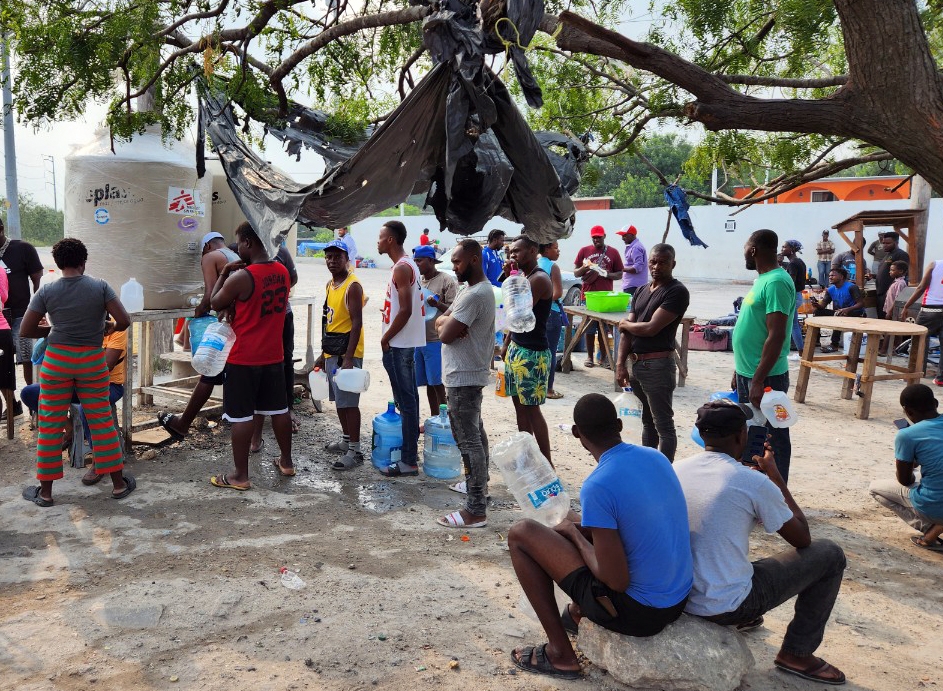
(141, 211)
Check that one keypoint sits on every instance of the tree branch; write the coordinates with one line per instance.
(753, 80)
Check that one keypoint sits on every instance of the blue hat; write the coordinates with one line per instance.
(795, 244)
(337, 245)
(427, 251)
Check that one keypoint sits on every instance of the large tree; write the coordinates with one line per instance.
(807, 86)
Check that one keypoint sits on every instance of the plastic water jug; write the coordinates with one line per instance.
(629, 409)
(500, 379)
(132, 296)
(531, 479)
(217, 341)
(317, 381)
(846, 344)
(431, 312)
(440, 455)
(518, 303)
(387, 437)
(198, 327)
(778, 409)
(354, 380)
(49, 276)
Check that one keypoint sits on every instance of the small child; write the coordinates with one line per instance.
(898, 272)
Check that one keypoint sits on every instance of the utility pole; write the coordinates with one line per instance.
(9, 145)
(55, 197)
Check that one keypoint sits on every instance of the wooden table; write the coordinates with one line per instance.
(603, 319)
(178, 387)
(859, 326)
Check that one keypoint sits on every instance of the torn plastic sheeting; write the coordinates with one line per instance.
(678, 204)
(308, 127)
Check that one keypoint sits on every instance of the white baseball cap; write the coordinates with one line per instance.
(212, 235)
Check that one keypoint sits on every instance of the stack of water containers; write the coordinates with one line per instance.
(387, 437)
(531, 479)
(440, 457)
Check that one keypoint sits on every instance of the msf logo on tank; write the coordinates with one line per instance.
(102, 195)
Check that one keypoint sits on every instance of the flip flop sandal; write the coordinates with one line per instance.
(165, 420)
(284, 471)
(554, 395)
(569, 623)
(89, 480)
(130, 484)
(815, 673)
(589, 364)
(461, 487)
(455, 520)
(935, 546)
(32, 494)
(542, 664)
(221, 481)
(395, 471)
(348, 461)
(336, 447)
(258, 450)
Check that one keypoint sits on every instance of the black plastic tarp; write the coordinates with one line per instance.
(457, 136)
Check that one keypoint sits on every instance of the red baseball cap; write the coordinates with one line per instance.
(597, 232)
(629, 230)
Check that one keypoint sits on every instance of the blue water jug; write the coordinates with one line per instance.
(441, 458)
(387, 437)
(197, 327)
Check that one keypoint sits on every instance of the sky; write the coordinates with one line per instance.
(41, 152)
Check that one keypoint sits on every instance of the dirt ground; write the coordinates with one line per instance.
(177, 586)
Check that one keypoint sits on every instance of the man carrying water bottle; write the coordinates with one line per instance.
(467, 335)
(626, 563)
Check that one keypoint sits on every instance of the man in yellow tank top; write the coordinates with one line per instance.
(342, 348)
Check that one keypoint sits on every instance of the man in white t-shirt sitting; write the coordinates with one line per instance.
(725, 501)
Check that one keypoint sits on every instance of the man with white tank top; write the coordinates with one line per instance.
(930, 293)
(404, 330)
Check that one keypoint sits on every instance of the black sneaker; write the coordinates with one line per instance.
(17, 410)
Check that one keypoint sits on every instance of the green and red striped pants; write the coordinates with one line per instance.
(83, 369)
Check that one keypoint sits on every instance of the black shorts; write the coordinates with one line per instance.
(218, 380)
(254, 390)
(632, 618)
(7, 368)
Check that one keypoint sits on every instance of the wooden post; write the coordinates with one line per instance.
(919, 199)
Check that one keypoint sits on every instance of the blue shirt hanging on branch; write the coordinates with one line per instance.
(677, 202)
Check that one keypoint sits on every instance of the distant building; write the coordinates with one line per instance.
(592, 203)
(840, 190)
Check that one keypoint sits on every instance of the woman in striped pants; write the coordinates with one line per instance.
(78, 307)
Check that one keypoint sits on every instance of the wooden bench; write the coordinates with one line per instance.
(180, 363)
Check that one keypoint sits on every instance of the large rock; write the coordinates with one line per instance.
(689, 655)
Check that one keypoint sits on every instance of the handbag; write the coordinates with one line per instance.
(332, 343)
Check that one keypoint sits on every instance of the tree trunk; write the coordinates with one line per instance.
(920, 199)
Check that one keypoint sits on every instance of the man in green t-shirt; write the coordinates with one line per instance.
(760, 338)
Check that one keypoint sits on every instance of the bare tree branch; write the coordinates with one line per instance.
(754, 80)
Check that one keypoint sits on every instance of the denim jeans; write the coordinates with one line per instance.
(778, 436)
(401, 368)
(932, 318)
(554, 327)
(653, 382)
(796, 329)
(824, 268)
(813, 573)
(469, 431)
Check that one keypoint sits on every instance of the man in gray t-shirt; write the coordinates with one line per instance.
(467, 335)
(726, 499)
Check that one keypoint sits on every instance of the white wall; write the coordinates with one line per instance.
(722, 260)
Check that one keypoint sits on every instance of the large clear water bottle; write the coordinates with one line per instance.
(629, 409)
(217, 341)
(132, 296)
(440, 455)
(531, 479)
(387, 437)
(518, 303)
(198, 326)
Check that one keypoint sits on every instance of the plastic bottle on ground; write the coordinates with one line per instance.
(629, 409)
(778, 409)
(317, 381)
(291, 580)
(531, 479)
(217, 341)
(387, 437)
(518, 303)
(132, 296)
(441, 458)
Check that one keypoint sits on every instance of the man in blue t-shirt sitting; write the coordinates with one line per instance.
(846, 300)
(626, 565)
(919, 504)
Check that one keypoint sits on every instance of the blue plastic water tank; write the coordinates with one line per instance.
(387, 437)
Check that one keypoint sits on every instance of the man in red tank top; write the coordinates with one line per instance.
(254, 294)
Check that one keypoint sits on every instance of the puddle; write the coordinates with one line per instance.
(377, 497)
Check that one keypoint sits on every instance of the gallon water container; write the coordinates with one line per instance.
(217, 341)
(440, 456)
(387, 437)
(629, 409)
(141, 211)
(531, 479)
(317, 381)
(354, 380)
(132, 296)
(49, 276)
(431, 312)
(778, 409)
(518, 303)
(846, 344)
(198, 326)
